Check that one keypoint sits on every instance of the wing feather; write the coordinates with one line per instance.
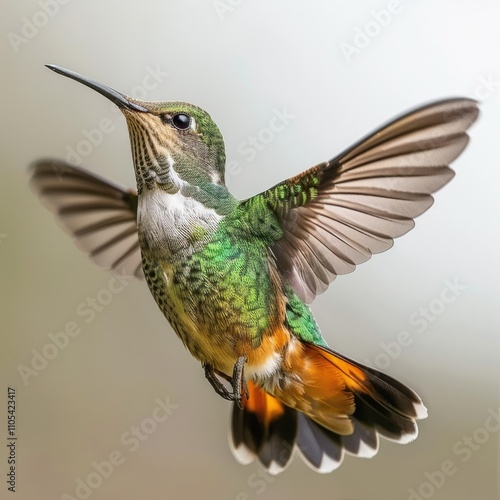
(338, 214)
(101, 216)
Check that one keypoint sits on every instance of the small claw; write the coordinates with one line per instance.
(237, 381)
(216, 384)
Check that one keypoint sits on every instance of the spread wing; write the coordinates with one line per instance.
(101, 216)
(337, 214)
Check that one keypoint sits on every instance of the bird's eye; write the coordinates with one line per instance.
(181, 121)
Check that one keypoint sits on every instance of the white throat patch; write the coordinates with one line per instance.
(171, 224)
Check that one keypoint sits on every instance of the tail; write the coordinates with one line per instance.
(326, 405)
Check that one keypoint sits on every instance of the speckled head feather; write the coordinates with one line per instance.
(175, 143)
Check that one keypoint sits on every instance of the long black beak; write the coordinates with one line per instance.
(119, 99)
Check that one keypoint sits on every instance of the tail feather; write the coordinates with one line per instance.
(265, 429)
(328, 405)
(378, 400)
(384, 403)
(387, 423)
(324, 450)
(392, 395)
(320, 448)
(363, 442)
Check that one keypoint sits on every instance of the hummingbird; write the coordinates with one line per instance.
(235, 278)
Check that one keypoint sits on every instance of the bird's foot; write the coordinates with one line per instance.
(237, 382)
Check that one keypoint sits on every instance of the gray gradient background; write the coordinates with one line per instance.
(262, 55)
